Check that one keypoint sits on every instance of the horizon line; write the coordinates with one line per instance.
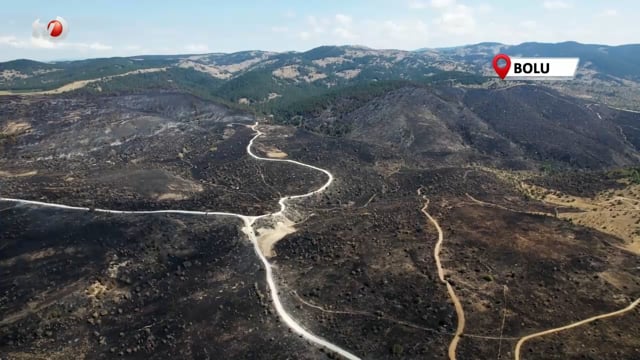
(317, 47)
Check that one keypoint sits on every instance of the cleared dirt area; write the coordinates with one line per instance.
(212, 70)
(277, 154)
(615, 212)
(287, 72)
(16, 128)
(269, 236)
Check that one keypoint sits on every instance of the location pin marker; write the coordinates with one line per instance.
(501, 71)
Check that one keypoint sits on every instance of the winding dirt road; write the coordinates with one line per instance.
(247, 229)
(452, 294)
(572, 325)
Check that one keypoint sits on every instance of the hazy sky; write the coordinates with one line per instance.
(115, 28)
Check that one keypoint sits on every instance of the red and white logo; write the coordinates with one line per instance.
(54, 30)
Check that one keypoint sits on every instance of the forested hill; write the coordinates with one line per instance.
(283, 84)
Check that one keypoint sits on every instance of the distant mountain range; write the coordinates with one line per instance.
(618, 61)
(609, 74)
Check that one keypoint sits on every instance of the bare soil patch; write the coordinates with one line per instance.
(615, 212)
(16, 128)
(269, 236)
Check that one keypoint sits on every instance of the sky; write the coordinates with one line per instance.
(100, 28)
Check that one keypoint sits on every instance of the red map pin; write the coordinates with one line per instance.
(501, 71)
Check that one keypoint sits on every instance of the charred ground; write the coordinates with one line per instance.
(154, 151)
(360, 269)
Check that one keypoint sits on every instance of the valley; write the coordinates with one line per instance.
(320, 205)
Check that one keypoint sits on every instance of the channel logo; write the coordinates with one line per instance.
(54, 30)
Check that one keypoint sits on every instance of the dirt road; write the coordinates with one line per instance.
(250, 230)
(572, 325)
(452, 294)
